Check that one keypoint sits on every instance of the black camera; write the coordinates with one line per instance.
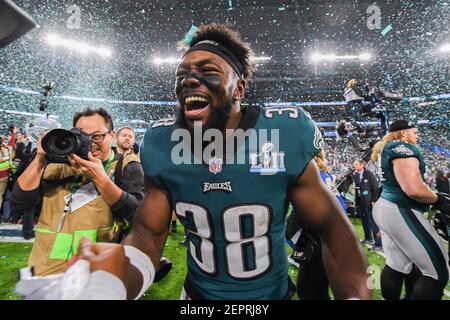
(59, 144)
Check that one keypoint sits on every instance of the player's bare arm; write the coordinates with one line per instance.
(148, 234)
(344, 260)
(407, 172)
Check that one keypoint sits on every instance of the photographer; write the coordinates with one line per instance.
(90, 197)
(356, 93)
(345, 129)
(370, 100)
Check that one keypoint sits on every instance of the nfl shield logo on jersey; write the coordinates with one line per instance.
(215, 165)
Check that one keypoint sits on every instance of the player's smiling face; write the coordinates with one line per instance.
(204, 88)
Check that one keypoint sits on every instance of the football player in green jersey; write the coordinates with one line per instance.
(234, 216)
(234, 213)
(408, 238)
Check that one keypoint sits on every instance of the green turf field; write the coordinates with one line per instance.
(14, 256)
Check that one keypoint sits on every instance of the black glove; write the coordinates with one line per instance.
(443, 205)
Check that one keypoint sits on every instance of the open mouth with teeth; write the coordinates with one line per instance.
(195, 106)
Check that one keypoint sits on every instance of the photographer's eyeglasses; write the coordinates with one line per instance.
(99, 137)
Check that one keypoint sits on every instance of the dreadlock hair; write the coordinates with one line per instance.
(223, 34)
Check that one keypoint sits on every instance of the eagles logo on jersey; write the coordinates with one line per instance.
(401, 149)
(318, 140)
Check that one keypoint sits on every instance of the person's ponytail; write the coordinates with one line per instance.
(379, 146)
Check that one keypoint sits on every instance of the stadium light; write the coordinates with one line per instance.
(346, 57)
(171, 60)
(365, 56)
(316, 57)
(55, 40)
(445, 48)
(262, 58)
(325, 57)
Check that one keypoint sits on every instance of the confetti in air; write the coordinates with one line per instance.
(386, 30)
(190, 35)
(413, 59)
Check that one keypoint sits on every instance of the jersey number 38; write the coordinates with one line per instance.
(238, 244)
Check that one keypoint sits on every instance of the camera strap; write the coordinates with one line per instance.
(67, 207)
(110, 160)
(88, 194)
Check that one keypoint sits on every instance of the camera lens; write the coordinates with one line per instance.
(59, 143)
(62, 143)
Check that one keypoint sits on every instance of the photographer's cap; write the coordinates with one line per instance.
(401, 125)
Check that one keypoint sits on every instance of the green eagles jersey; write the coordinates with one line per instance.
(234, 213)
(391, 189)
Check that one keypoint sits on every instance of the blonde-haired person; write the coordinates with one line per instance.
(352, 92)
(408, 238)
(322, 161)
(327, 177)
(352, 83)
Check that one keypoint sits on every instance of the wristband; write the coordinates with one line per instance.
(143, 263)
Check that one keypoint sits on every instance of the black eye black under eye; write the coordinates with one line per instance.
(210, 70)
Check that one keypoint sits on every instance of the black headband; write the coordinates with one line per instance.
(221, 51)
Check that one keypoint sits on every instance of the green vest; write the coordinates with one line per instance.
(6, 162)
